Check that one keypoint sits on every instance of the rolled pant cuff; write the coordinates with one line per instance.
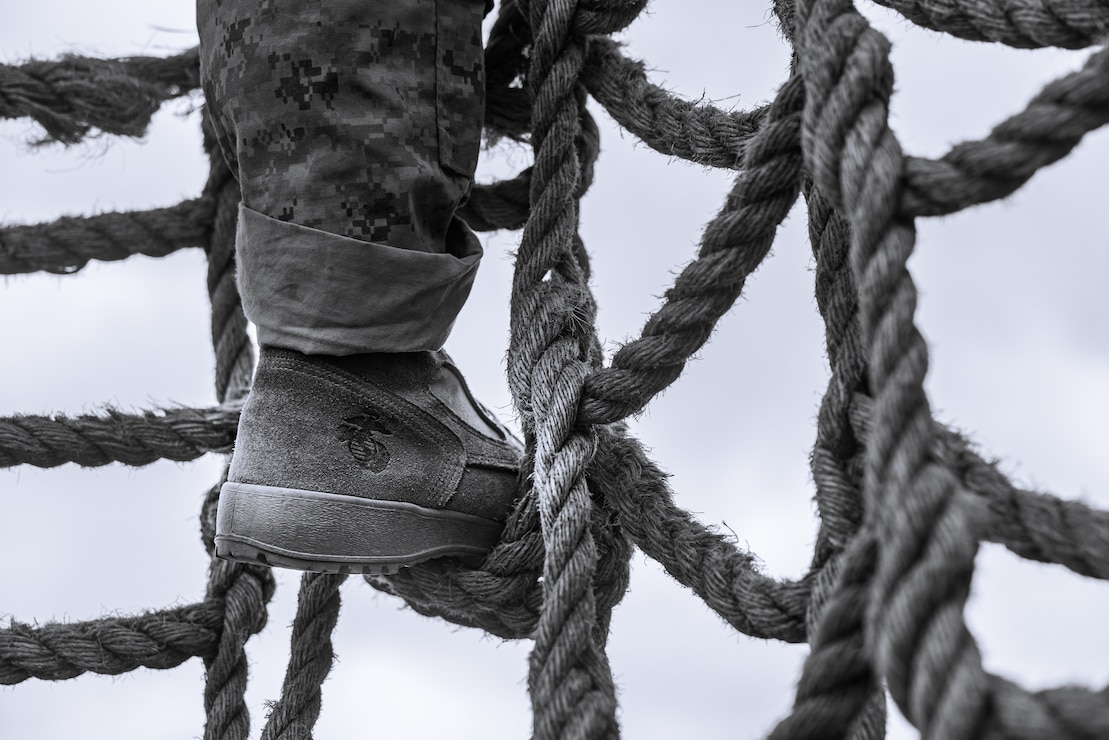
(322, 293)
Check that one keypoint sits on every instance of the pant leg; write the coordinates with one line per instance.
(353, 127)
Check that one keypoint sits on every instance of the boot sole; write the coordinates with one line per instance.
(332, 533)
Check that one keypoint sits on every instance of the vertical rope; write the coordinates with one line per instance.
(573, 695)
(234, 353)
(294, 715)
(243, 590)
(926, 526)
(838, 694)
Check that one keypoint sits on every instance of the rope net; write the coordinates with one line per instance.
(903, 501)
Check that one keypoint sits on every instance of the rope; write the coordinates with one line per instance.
(295, 714)
(848, 80)
(573, 695)
(75, 95)
(707, 563)
(1030, 24)
(733, 246)
(837, 681)
(927, 525)
(695, 132)
(1044, 132)
(903, 501)
(159, 639)
(66, 245)
(132, 439)
(242, 592)
(234, 354)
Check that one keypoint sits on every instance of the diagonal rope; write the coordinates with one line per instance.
(1049, 127)
(733, 246)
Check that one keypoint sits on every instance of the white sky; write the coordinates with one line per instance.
(1013, 304)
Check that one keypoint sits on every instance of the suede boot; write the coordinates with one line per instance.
(364, 464)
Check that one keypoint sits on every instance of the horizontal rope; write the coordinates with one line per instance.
(67, 244)
(1036, 526)
(158, 639)
(498, 205)
(74, 96)
(133, 439)
(1025, 24)
(505, 204)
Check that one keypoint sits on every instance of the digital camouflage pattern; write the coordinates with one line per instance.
(357, 117)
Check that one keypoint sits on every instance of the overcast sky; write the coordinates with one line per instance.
(1013, 305)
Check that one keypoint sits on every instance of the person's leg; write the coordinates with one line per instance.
(353, 127)
(361, 120)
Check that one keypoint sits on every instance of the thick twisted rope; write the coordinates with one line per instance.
(926, 523)
(708, 563)
(234, 353)
(161, 639)
(67, 244)
(294, 715)
(838, 692)
(573, 695)
(570, 680)
(837, 681)
(1052, 124)
(857, 161)
(132, 439)
(74, 96)
(242, 592)
(1028, 24)
(694, 131)
(836, 464)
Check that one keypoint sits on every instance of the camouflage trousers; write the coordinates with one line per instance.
(353, 127)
